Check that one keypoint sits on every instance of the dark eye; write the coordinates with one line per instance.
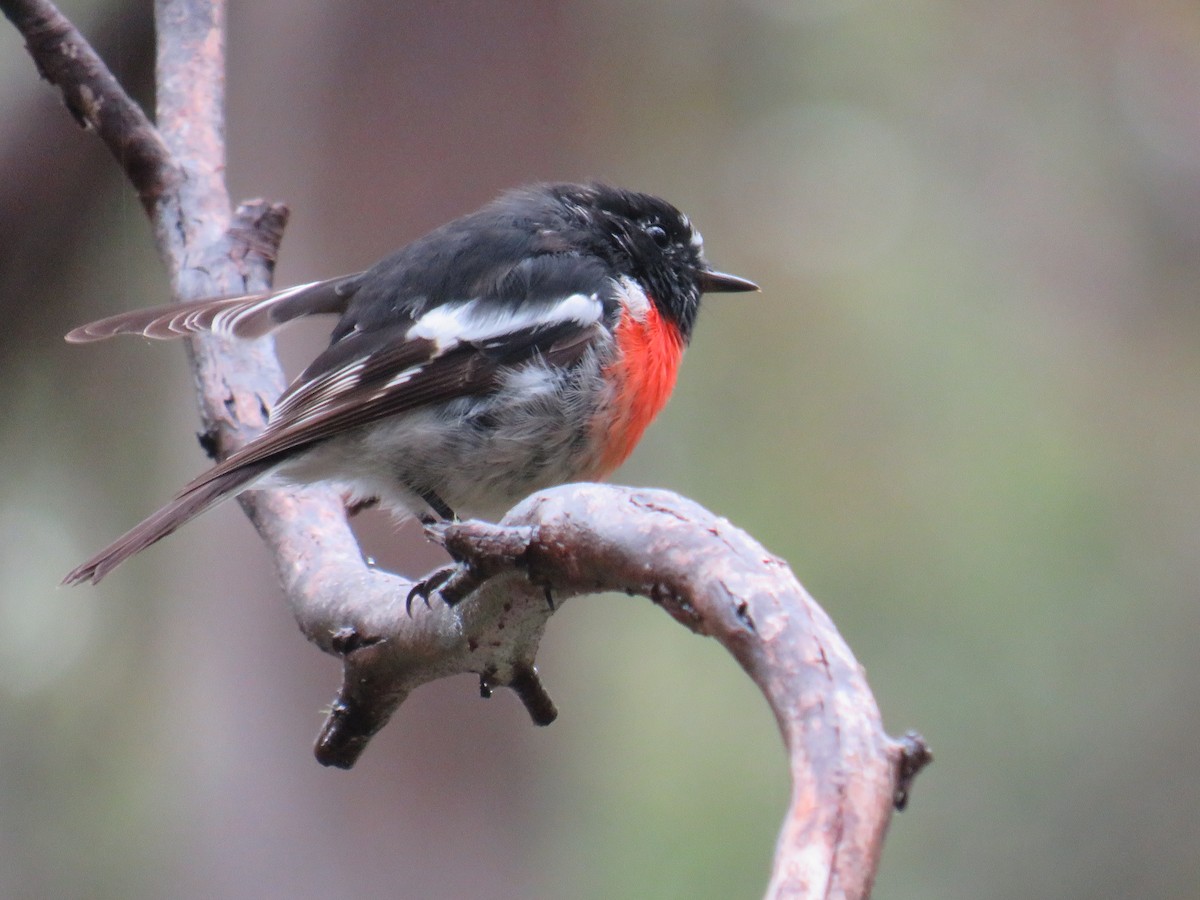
(658, 234)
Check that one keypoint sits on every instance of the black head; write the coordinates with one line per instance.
(649, 239)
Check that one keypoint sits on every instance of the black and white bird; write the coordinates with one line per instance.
(521, 346)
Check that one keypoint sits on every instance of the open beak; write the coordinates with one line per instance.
(721, 283)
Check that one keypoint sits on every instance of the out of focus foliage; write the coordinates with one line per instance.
(966, 408)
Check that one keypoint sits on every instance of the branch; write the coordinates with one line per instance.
(94, 97)
(846, 773)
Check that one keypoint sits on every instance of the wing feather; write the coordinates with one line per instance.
(400, 344)
(398, 379)
(249, 316)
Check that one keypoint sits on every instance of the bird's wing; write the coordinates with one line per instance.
(248, 316)
(454, 350)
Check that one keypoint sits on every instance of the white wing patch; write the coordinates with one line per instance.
(455, 323)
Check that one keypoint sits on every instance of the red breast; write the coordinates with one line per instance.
(650, 348)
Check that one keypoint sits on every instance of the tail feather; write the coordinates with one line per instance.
(186, 506)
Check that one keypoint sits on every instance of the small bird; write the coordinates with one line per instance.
(524, 345)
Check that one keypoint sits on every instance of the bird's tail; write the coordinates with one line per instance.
(196, 498)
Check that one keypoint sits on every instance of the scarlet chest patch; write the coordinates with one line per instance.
(644, 375)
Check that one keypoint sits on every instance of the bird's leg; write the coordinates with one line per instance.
(440, 507)
(429, 585)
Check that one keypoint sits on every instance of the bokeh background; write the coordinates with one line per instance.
(966, 408)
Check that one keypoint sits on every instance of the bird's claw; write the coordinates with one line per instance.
(428, 586)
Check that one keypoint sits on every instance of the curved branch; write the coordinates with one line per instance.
(847, 774)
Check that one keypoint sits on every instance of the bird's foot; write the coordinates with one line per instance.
(450, 584)
(428, 586)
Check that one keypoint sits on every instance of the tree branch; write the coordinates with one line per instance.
(846, 773)
(94, 98)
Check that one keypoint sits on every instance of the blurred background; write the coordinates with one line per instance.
(966, 408)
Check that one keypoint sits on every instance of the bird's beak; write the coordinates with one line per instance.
(722, 283)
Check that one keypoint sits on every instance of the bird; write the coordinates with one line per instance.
(524, 345)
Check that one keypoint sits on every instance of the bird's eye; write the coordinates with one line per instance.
(658, 234)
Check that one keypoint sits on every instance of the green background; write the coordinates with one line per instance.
(964, 408)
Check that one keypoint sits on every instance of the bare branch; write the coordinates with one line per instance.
(94, 97)
(847, 774)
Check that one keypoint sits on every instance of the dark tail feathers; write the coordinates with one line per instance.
(185, 507)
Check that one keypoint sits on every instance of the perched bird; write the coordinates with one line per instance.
(521, 346)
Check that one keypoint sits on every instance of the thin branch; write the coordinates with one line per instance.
(95, 98)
